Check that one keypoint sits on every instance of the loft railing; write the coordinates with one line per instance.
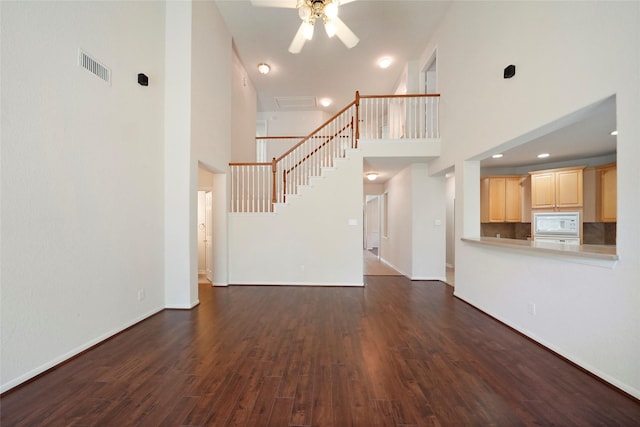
(398, 116)
(268, 147)
(256, 187)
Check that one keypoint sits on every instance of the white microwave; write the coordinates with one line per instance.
(556, 224)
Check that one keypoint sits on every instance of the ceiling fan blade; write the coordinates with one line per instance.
(290, 4)
(298, 40)
(344, 33)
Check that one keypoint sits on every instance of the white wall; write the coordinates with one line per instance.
(415, 241)
(428, 218)
(568, 56)
(198, 123)
(372, 218)
(177, 173)
(243, 114)
(373, 189)
(292, 123)
(450, 196)
(82, 178)
(309, 241)
(395, 246)
(216, 107)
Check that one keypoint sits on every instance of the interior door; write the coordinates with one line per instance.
(209, 235)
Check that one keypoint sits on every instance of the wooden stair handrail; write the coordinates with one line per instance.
(410, 95)
(316, 131)
(355, 131)
(328, 140)
(280, 137)
(250, 164)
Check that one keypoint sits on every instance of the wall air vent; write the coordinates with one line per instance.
(93, 66)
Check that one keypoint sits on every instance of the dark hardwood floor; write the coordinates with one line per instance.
(393, 353)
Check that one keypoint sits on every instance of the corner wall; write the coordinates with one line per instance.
(198, 129)
(568, 56)
(310, 241)
(82, 178)
(415, 240)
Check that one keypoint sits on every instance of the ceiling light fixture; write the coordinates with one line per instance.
(497, 156)
(325, 102)
(371, 176)
(326, 11)
(543, 155)
(384, 62)
(264, 68)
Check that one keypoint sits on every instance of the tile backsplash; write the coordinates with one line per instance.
(594, 233)
(506, 230)
(599, 233)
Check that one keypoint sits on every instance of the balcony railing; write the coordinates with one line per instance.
(392, 117)
(256, 187)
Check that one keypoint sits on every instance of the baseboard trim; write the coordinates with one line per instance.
(358, 284)
(384, 261)
(624, 389)
(429, 278)
(69, 356)
(182, 307)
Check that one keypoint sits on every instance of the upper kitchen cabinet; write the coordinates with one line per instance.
(500, 199)
(607, 193)
(557, 188)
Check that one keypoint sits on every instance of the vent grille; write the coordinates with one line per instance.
(295, 102)
(93, 66)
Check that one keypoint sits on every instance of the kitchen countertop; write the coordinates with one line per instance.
(594, 252)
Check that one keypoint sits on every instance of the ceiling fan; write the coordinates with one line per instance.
(310, 12)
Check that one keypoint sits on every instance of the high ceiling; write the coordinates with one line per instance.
(398, 29)
(325, 67)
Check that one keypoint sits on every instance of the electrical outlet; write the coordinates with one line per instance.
(531, 308)
(140, 294)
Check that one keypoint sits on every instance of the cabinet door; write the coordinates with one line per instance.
(484, 200)
(512, 209)
(543, 190)
(608, 195)
(496, 199)
(569, 189)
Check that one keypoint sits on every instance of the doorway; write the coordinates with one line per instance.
(205, 236)
(372, 224)
(450, 197)
(430, 75)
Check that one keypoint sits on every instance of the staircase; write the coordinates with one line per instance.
(261, 187)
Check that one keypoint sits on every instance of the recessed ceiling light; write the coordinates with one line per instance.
(371, 176)
(384, 62)
(614, 133)
(543, 155)
(497, 156)
(264, 68)
(325, 102)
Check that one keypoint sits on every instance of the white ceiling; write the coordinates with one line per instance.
(325, 67)
(400, 29)
(582, 135)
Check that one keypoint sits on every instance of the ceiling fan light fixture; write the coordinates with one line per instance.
(330, 28)
(304, 12)
(331, 10)
(307, 30)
